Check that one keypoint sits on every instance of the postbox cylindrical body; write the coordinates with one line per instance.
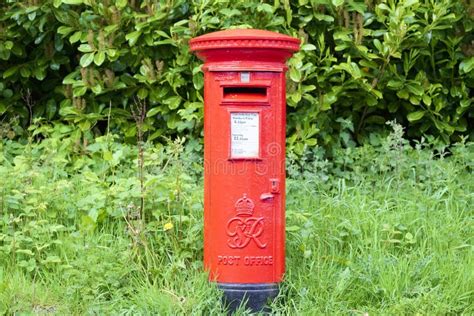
(244, 157)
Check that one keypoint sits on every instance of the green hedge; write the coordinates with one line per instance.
(82, 65)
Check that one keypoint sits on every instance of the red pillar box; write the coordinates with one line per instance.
(244, 153)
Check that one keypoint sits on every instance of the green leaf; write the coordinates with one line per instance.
(415, 89)
(293, 228)
(51, 259)
(121, 3)
(375, 119)
(86, 59)
(97, 89)
(395, 84)
(352, 68)
(111, 52)
(71, 78)
(73, 2)
(39, 73)
(295, 74)
(133, 37)
(51, 108)
(161, 33)
(7, 93)
(328, 100)
(84, 126)
(415, 116)
(466, 66)
(25, 252)
(403, 94)
(173, 102)
(378, 45)
(79, 91)
(3, 107)
(307, 47)
(415, 100)
(409, 3)
(85, 48)
(32, 16)
(10, 71)
(142, 93)
(198, 81)
(426, 99)
(323, 17)
(75, 37)
(99, 58)
(8, 44)
(65, 30)
(153, 111)
(265, 7)
(465, 103)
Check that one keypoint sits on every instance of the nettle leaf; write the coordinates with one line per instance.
(415, 116)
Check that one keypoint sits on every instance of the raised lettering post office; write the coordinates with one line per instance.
(244, 153)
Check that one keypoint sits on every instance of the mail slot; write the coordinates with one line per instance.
(244, 94)
(244, 154)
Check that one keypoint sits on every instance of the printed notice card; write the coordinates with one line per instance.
(244, 134)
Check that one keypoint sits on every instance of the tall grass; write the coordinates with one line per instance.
(380, 230)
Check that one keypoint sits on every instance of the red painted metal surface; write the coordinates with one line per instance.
(244, 145)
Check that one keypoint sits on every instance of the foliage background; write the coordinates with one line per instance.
(80, 65)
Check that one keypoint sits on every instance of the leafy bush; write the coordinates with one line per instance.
(87, 62)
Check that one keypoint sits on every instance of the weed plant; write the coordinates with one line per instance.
(380, 229)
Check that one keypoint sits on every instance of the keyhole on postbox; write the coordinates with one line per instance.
(274, 189)
(274, 186)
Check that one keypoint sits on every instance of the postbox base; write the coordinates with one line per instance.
(253, 296)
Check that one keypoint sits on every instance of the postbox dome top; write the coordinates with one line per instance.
(245, 38)
(249, 48)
